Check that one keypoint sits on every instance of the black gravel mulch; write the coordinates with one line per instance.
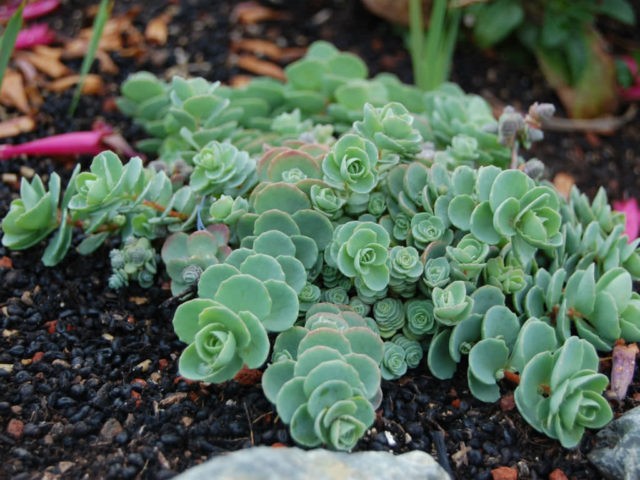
(88, 376)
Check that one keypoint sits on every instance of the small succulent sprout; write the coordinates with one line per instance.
(228, 210)
(507, 276)
(220, 340)
(327, 200)
(427, 228)
(390, 128)
(401, 227)
(220, 168)
(337, 295)
(394, 361)
(377, 204)
(420, 321)
(437, 272)
(467, 258)
(560, 392)
(389, 316)
(308, 296)
(32, 216)
(360, 250)
(107, 182)
(135, 261)
(350, 164)
(187, 256)
(412, 348)
(361, 308)
(451, 304)
(405, 269)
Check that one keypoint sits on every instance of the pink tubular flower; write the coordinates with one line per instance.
(31, 10)
(89, 142)
(632, 214)
(38, 34)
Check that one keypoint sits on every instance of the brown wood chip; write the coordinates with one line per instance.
(93, 84)
(13, 93)
(49, 66)
(253, 64)
(48, 51)
(16, 126)
(268, 49)
(157, 30)
(248, 13)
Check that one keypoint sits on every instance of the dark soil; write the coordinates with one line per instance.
(89, 385)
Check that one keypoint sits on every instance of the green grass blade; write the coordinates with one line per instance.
(416, 41)
(434, 44)
(8, 39)
(104, 12)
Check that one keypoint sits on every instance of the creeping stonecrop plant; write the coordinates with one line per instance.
(368, 229)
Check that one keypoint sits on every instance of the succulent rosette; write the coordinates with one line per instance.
(560, 393)
(350, 164)
(325, 380)
(394, 361)
(360, 250)
(451, 304)
(327, 200)
(220, 168)
(390, 128)
(419, 318)
(405, 269)
(220, 340)
(467, 258)
(427, 228)
(34, 215)
(437, 272)
(518, 210)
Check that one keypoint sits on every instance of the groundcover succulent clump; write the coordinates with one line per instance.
(340, 230)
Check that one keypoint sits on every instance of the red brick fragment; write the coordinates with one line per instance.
(557, 474)
(504, 473)
(15, 428)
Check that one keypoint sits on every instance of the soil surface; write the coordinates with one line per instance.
(88, 378)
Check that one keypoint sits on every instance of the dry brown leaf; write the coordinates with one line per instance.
(157, 30)
(268, 49)
(16, 126)
(93, 84)
(260, 67)
(13, 93)
(563, 183)
(257, 46)
(47, 51)
(107, 65)
(50, 66)
(249, 13)
(28, 71)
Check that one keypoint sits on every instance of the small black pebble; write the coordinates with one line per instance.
(22, 376)
(169, 439)
(475, 457)
(122, 438)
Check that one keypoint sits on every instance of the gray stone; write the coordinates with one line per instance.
(268, 463)
(617, 450)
